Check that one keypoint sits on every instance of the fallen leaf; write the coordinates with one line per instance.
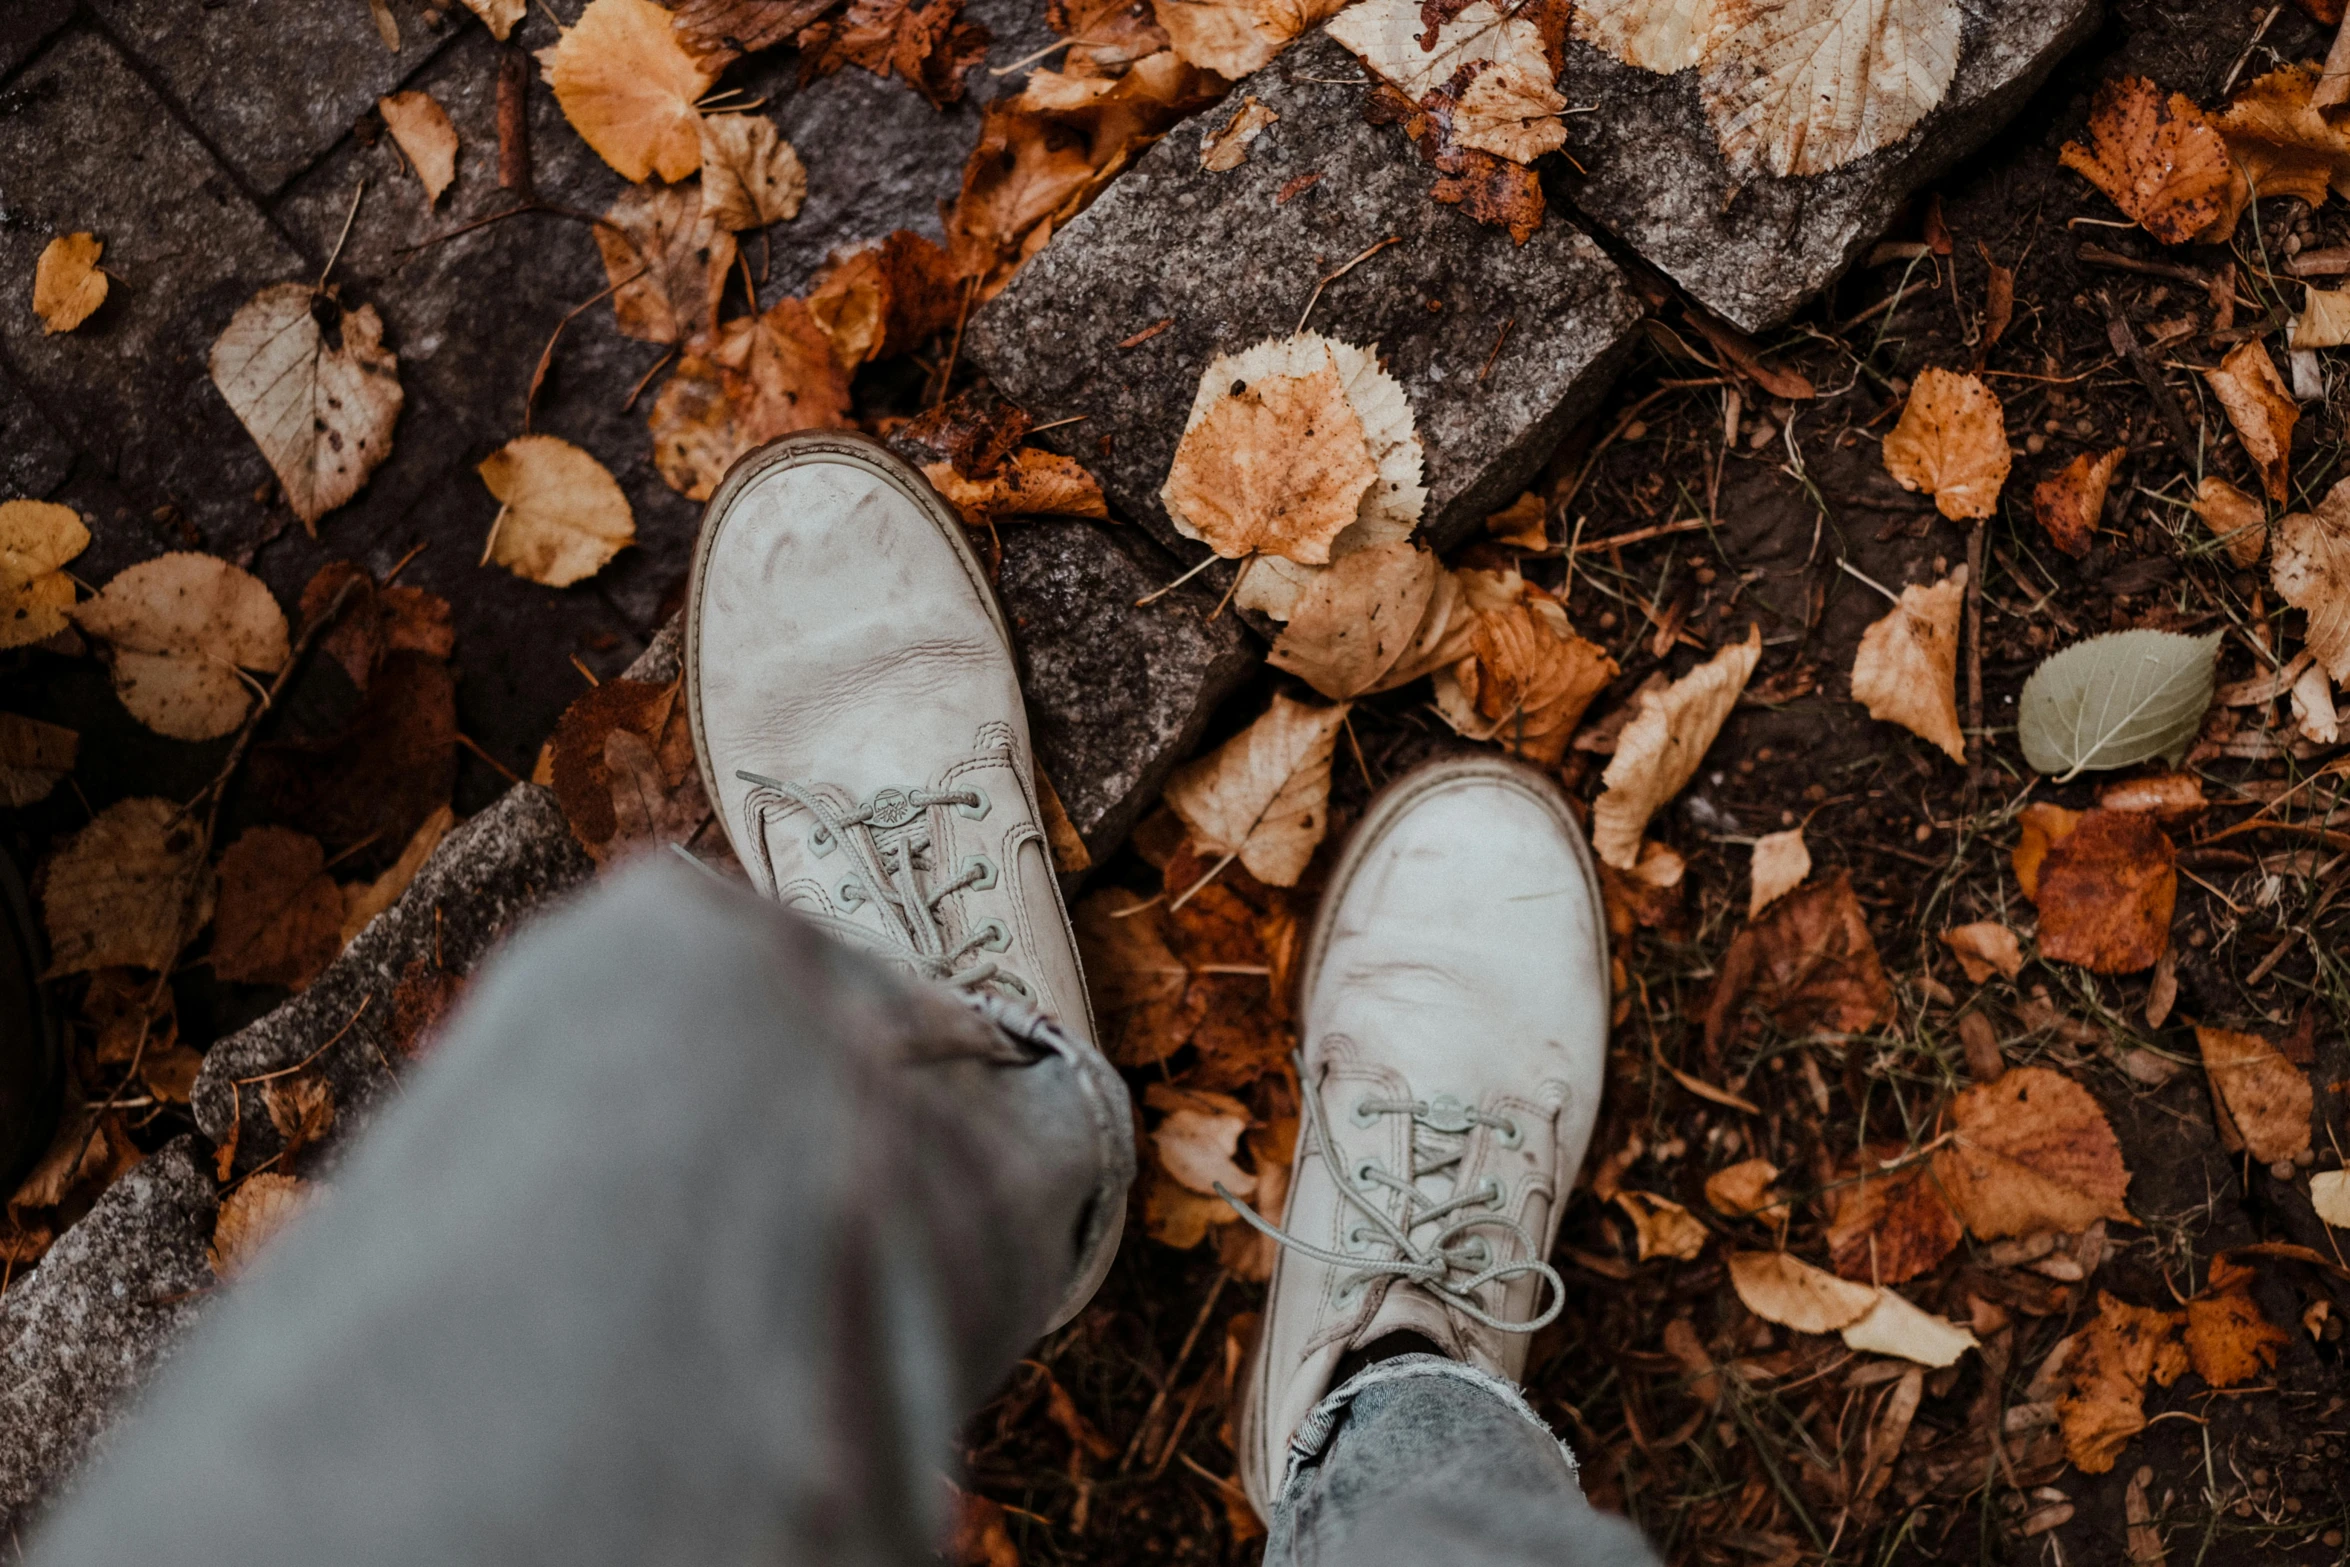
(1984, 948)
(320, 409)
(2262, 409)
(1792, 1293)
(653, 806)
(2110, 1362)
(37, 538)
(362, 902)
(1524, 678)
(131, 1012)
(2158, 160)
(2311, 571)
(973, 430)
(1889, 1226)
(2239, 522)
(2313, 707)
(1023, 172)
(1279, 464)
(1032, 482)
(561, 516)
(1663, 38)
(888, 298)
(1662, 1227)
(2329, 1194)
(1906, 671)
(375, 622)
(2171, 798)
(1893, 1326)
(1951, 442)
(1355, 626)
(1225, 149)
(1137, 983)
(251, 1215)
(1509, 104)
(644, 788)
(923, 43)
(2229, 1341)
(1659, 750)
(667, 259)
(421, 127)
(131, 889)
(2104, 882)
(2031, 1152)
(765, 376)
(302, 1108)
(499, 16)
(1523, 524)
(422, 1001)
(278, 917)
(1212, 974)
(179, 627)
(1264, 794)
(2263, 1100)
(2115, 700)
(2070, 505)
(90, 1151)
(627, 84)
(2324, 320)
(170, 1073)
(979, 1535)
(2280, 141)
(67, 285)
(1744, 1191)
(377, 776)
(1812, 85)
(1809, 963)
(751, 176)
(715, 31)
(1196, 1138)
(1781, 861)
(1236, 38)
(34, 758)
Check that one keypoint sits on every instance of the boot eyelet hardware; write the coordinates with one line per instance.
(1491, 1189)
(1476, 1253)
(852, 893)
(1446, 1114)
(993, 937)
(1513, 1133)
(976, 813)
(821, 842)
(1015, 983)
(1362, 1115)
(983, 869)
(1360, 1235)
(1363, 1174)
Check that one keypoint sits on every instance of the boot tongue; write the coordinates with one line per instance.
(1406, 1307)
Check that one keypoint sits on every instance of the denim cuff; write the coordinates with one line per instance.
(1313, 1433)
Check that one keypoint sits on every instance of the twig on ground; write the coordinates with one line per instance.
(2125, 343)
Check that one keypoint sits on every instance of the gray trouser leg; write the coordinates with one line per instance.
(689, 1245)
(1419, 1460)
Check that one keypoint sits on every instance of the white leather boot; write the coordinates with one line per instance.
(1453, 1018)
(857, 715)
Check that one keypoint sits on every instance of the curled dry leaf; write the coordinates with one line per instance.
(1895, 1327)
(37, 538)
(667, 259)
(1524, 678)
(1808, 963)
(1781, 861)
(2237, 520)
(1355, 627)
(2324, 321)
(1891, 1225)
(881, 300)
(1227, 148)
(1236, 38)
(251, 1215)
(179, 628)
(1952, 443)
(34, 758)
(2311, 571)
(2170, 798)
(363, 901)
(2313, 707)
(2030, 1152)
(278, 918)
(2157, 159)
(2071, 504)
(499, 16)
(765, 376)
(421, 127)
(1659, 750)
(1662, 1227)
(751, 176)
(2104, 882)
(2229, 1341)
(129, 889)
(322, 412)
(1264, 794)
(924, 43)
(1032, 482)
(1792, 1293)
(2262, 1100)
(2262, 409)
(1984, 948)
(2329, 1194)
(561, 516)
(1523, 524)
(1744, 1191)
(2280, 142)
(625, 81)
(1211, 974)
(2108, 1367)
(67, 285)
(1907, 668)
(1493, 62)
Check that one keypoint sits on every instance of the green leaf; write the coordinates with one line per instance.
(2116, 699)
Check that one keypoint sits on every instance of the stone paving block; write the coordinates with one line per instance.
(1754, 253)
(1224, 262)
(35, 456)
(273, 84)
(25, 25)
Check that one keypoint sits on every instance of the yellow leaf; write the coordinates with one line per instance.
(421, 127)
(1659, 750)
(1792, 1293)
(1662, 1226)
(251, 1215)
(1228, 148)
(131, 888)
(1744, 1191)
(2238, 520)
(765, 376)
(1906, 671)
(667, 260)
(179, 627)
(1264, 794)
(1031, 482)
(2261, 408)
(2157, 159)
(321, 413)
(67, 285)
(1236, 38)
(628, 86)
(751, 176)
(37, 538)
(2264, 1101)
(1952, 443)
(561, 515)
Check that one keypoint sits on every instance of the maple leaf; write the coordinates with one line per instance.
(1031, 482)
(278, 916)
(751, 176)
(765, 376)
(1984, 948)
(2072, 503)
(888, 298)
(1906, 670)
(627, 84)
(561, 515)
(129, 889)
(921, 42)
(253, 1213)
(421, 127)
(1659, 750)
(1781, 861)
(2263, 1101)
(2311, 572)
(1952, 443)
(1264, 795)
(2109, 1363)
(178, 628)
(1524, 677)
(320, 409)
(1806, 86)
(1890, 1225)
(1237, 38)
(2104, 882)
(67, 284)
(2158, 160)
(2031, 1151)
(1808, 963)
(35, 758)
(667, 259)
(2262, 409)
(37, 538)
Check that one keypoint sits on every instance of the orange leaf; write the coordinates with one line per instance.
(2070, 505)
(2104, 881)
(2031, 1151)
(2161, 162)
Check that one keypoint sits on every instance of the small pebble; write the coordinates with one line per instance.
(1925, 832)
(2035, 443)
(1634, 431)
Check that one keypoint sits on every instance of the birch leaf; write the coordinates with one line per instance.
(2262, 409)
(1907, 668)
(322, 413)
(179, 627)
(1952, 443)
(751, 176)
(2114, 700)
(37, 538)
(1660, 748)
(1805, 86)
(625, 81)
(421, 127)
(562, 515)
(1264, 795)
(2311, 571)
(67, 284)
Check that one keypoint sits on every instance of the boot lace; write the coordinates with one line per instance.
(1459, 1259)
(891, 865)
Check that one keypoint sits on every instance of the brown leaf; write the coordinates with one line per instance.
(751, 176)
(1984, 948)
(979, 1537)
(131, 888)
(1196, 1137)
(1032, 483)
(1227, 149)
(2263, 1101)
(1488, 71)
(34, 758)
(765, 376)
(561, 514)
(320, 409)
(1782, 1289)
(131, 1013)
(2170, 798)
(1236, 38)
(975, 432)
(1264, 795)
(1891, 1226)
(37, 538)
(1022, 173)
(885, 299)
(2030, 1152)
(380, 775)
(642, 791)
(2104, 882)
(2160, 161)
(716, 30)
(2311, 571)
(499, 16)
(375, 621)
(628, 85)
(1906, 671)
(251, 1215)
(1138, 985)
(921, 42)
(2229, 1341)
(179, 627)
(1279, 466)
(1952, 443)
(1744, 1191)
(1662, 1227)
(667, 258)
(421, 1002)
(421, 127)
(2071, 504)
(67, 285)
(2261, 407)
(1781, 861)
(2284, 145)
(301, 1107)
(1522, 524)
(1809, 963)
(279, 916)
(1659, 750)
(2109, 1364)
(1525, 678)
(88, 1153)
(1357, 627)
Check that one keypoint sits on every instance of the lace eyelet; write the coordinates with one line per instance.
(821, 842)
(1363, 1172)
(992, 936)
(1512, 1133)
(852, 893)
(976, 813)
(1358, 1236)
(1490, 1188)
(1476, 1253)
(1017, 984)
(1362, 1114)
(1446, 1114)
(983, 868)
